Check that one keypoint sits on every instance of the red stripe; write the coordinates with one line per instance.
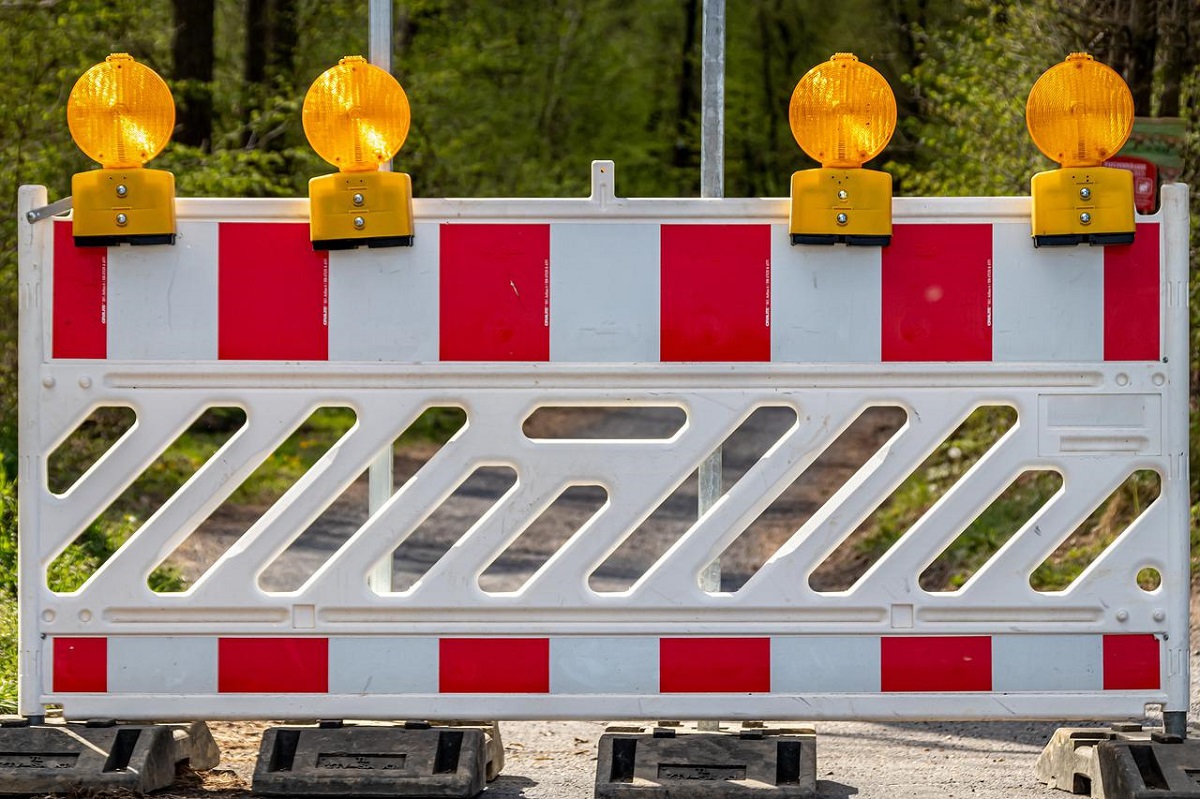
(716, 293)
(931, 663)
(1131, 298)
(273, 665)
(273, 294)
(714, 665)
(80, 297)
(1131, 662)
(80, 664)
(937, 293)
(495, 292)
(494, 665)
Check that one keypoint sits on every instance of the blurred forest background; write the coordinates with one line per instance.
(515, 98)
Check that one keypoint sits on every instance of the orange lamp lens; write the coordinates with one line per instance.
(120, 113)
(843, 112)
(356, 116)
(1080, 112)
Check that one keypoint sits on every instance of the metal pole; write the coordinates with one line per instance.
(712, 185)
(379, 474)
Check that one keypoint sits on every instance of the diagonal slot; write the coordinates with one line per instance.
(1098, 532)
(991, 530)
(86, 444)
(287, 463)
(442, 529)
(796, 504)
(174, 466)
(321, 540)
(913, 498)
(743, 448)
(626, 423)
(538, 542)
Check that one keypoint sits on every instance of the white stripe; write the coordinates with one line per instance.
(162, 665)
(826, 664)
(604, 665)
(360, 665)
(1047, 662)
(162, 300)
(604, 292)
(1048, 302)
(826, 301)
(383, 303)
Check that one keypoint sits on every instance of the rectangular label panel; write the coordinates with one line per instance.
(937, 293)
(273, 665)
(80, 665)
(936, 663)
(825, 301)
(1132, 662)
(495, 292)
(604, 289)
(715, 665)
(1132, 298)
(273, 293)
(164, 298)
(495, 665)
(1049, 301)
(80, 323)
(716, 293)
(383, 302)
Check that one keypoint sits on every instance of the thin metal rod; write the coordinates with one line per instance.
(379, 42)
(712, 185)
(712, 101)
(379, 475)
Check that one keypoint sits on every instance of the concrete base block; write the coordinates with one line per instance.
(1123, 761)
(364, 759)
(678, 760)
(1154, 769)
(61, 758)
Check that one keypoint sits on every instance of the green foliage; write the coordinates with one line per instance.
(8, 536)
(971, 84)
(8, 654)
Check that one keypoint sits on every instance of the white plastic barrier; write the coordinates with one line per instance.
(505, 306)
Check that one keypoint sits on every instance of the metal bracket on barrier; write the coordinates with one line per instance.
(1123, 761)
(413, 759)
(658, 761)
(61, 758)
(46, 211)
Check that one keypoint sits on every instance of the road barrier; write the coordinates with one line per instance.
(503, 307)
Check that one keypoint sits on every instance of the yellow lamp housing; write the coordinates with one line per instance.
(356, 116)
(1079, 114)
(120, 113)
(843, 114)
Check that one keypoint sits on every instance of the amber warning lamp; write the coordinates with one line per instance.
(843, 114)
(1080, 113)
(356, 117)
(121, 115)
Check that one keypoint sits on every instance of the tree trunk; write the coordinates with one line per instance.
(193, 52)
(688, 107)
(1179, 52)
(1143, 44)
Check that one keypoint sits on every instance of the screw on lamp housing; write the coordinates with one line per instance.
(843, 114)
(356, 116)
(1079, 114)
(121, 114)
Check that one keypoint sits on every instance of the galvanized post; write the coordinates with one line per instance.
(712, 185)
(379, 474)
